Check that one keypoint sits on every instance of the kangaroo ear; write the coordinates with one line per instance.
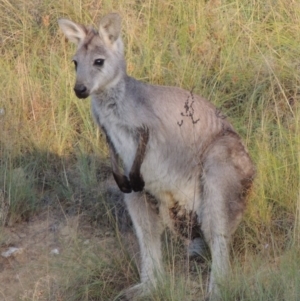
(110, 27)
(73, 31)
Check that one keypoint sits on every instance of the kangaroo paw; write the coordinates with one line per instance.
(123, 183)
(136, 181)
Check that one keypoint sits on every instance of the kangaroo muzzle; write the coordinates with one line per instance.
(81, 91)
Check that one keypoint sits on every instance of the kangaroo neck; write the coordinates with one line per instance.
(111, 95)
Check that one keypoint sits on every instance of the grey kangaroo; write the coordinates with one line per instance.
(176, 148)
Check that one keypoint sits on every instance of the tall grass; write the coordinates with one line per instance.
(242, 55)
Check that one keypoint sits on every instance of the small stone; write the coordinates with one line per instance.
(54, 252)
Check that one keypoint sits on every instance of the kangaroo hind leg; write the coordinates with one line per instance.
(227, 175)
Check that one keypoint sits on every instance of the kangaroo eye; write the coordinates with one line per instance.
(99, 62)
(75, 63)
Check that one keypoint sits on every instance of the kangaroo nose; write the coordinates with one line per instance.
(81, 91)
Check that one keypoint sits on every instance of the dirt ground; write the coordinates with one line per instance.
(26, 274)
(44, 244)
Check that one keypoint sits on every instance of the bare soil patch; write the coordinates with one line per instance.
(41, 243)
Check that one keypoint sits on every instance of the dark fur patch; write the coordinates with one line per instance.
(185, 222)
(247, 185)
(122, 182)
(153, 203)
(238, 198)
(135, 176)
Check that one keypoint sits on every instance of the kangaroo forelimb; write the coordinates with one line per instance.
(136, 179)
(121, 180)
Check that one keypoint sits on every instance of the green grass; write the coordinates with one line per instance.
(242, 55)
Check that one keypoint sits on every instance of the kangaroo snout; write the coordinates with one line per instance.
(81, 91)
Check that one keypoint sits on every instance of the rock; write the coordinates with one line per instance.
(54, 252)
(12, 251)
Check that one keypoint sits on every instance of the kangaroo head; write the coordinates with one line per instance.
(99, 59)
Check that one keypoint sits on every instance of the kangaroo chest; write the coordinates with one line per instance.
(122, 138)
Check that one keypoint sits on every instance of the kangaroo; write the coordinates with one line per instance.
(176, 148)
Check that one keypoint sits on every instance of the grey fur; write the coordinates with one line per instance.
(187, 155)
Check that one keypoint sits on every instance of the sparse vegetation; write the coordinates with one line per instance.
(242, 55)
